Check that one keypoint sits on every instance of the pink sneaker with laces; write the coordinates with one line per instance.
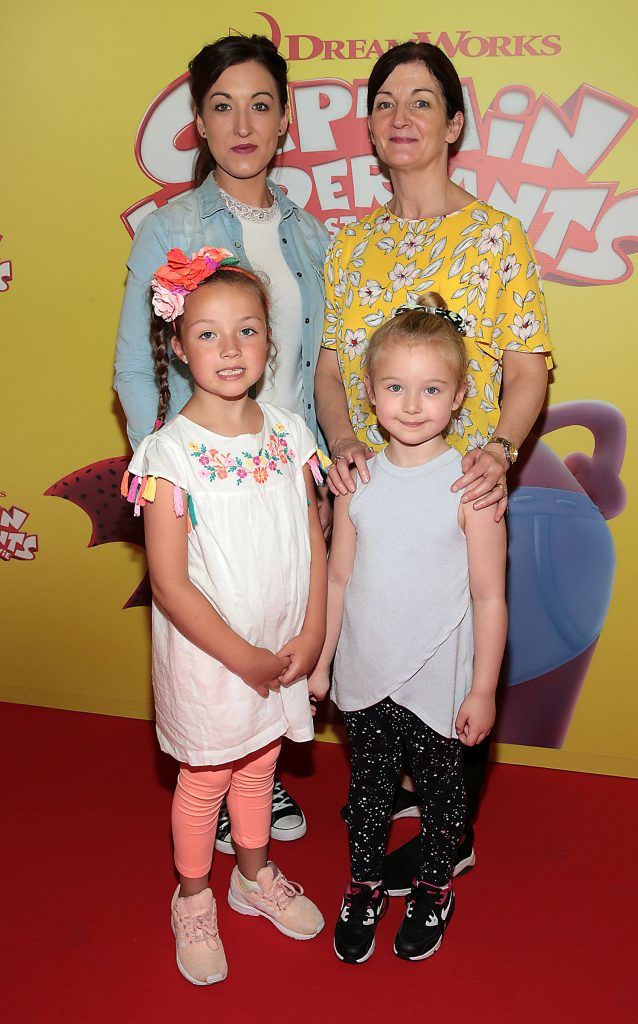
(280, 901)
(200, 954)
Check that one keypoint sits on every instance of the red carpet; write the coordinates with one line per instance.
(544, 930)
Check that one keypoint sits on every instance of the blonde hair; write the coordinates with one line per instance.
(421, 326)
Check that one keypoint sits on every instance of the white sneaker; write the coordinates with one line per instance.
(280, 901)
(199, 950)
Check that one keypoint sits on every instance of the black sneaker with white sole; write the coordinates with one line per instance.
(362, 908)
(465, 856)
(403, 864)
(288, 821)
(428, 910)
(406, 804)
(222, 839)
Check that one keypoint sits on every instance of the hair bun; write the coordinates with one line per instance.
(433, 300)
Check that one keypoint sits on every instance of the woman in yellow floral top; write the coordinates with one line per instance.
(433, 236)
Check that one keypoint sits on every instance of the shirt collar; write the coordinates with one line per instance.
(211, 202)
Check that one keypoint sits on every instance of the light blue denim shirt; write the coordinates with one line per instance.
(196, 219)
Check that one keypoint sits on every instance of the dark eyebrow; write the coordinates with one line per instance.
(262, 92)
(421, 88)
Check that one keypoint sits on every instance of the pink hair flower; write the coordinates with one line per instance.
(167, 304)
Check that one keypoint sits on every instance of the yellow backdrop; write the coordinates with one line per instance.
(76, 83)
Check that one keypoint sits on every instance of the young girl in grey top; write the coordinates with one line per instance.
(417, 618)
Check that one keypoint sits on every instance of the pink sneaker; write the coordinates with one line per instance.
(200, 954)
(278, 900)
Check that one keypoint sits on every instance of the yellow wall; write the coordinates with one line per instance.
(75, 82)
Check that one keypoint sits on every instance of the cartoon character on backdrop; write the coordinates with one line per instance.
(561, 572)
(561, 564)
(96, 490)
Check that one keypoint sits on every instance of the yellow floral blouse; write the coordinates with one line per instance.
(478, 259)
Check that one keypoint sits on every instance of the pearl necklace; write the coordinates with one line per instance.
(255, 214)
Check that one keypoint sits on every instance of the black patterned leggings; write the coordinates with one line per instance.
(379, 736)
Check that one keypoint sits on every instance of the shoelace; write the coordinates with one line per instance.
(426, 898)
(358, 906)
(282, 892)
(280, 798)
(200, 928)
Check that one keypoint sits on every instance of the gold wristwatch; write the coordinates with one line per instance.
(511, 451)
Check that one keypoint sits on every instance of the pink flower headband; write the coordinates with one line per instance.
(179, 276)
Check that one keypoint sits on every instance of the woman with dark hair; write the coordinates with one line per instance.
(240, 96)
(432, 235)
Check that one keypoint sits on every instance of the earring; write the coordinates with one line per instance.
(185, 360)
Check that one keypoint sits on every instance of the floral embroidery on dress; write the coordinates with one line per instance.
(216, 465)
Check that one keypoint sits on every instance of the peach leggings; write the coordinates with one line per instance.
(248, 784)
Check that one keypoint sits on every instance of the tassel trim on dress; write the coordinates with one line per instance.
(318, 463)
(139, 489)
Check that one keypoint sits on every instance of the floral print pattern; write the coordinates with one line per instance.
(478, 259)
(215, 465)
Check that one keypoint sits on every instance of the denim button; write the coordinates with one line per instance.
(285, 241)
(309, 405)
(308, 363)
(299, 274)
(238, 245)
(307, 320)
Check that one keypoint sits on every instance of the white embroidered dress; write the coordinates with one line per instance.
(249, 554)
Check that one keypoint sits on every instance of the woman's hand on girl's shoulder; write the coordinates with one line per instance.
(264, 670)
(303, 653)
(345, 455)
(484, 480)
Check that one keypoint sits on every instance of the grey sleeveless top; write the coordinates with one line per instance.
(407, 623)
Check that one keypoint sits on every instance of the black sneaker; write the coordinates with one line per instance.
(361, 910)
(427, 914)
(288, 821)
(402, 865)
(406, 804)
(222, 839)
(465, 856)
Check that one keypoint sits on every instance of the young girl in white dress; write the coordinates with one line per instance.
(238, 570)
(417, 616)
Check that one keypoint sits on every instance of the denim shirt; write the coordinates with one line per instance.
(201, 218)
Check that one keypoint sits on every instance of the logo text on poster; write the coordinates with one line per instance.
(462, 42)
(14, 541)
(526, 155)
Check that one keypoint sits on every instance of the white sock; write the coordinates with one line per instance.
(246, 884)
